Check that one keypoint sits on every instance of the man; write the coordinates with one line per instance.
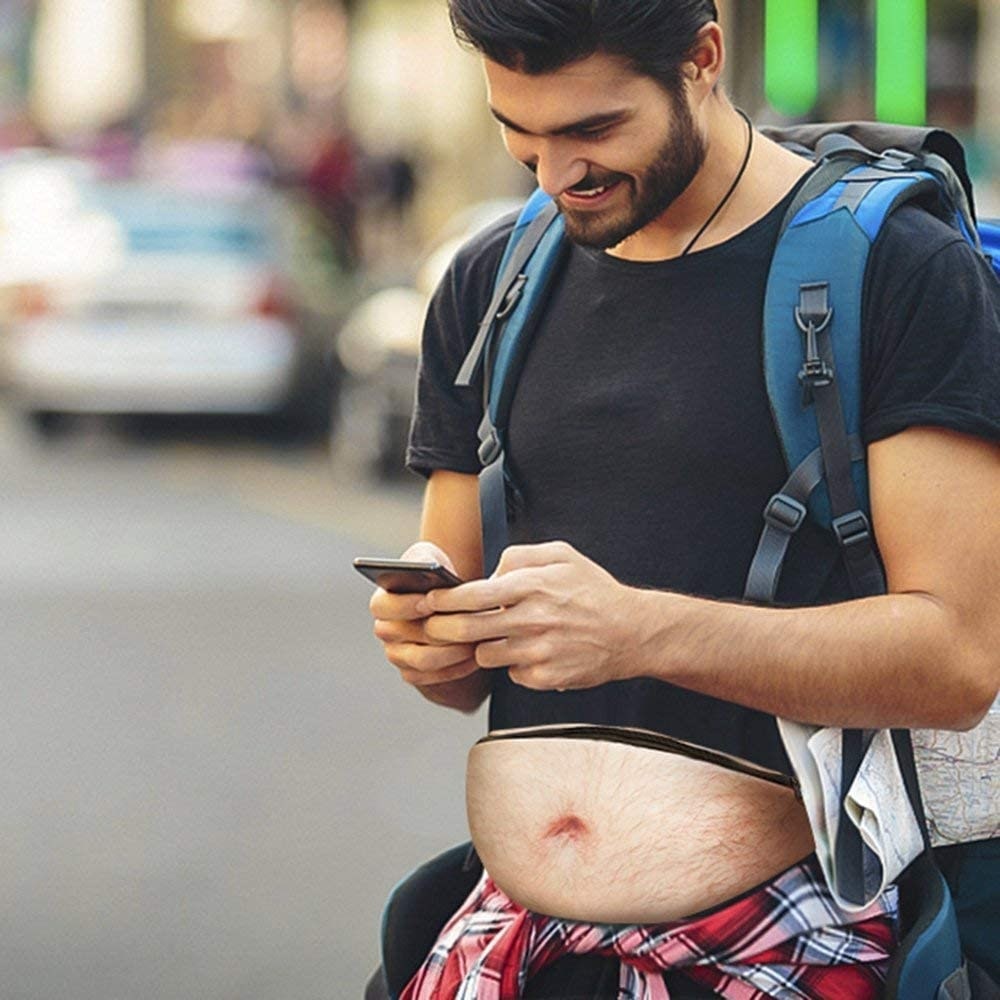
(643, 451)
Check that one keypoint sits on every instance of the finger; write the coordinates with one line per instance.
(467, 628)
(477, 595)
(411, 656)
(428, 552)
(543, 554)
(486, 595)
(455, 672)
(537, 677)
(400, 631)
(516, 653)
(395, 607)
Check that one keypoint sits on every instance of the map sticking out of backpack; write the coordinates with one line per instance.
(812, 368)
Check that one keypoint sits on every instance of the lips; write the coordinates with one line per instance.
(579, 196)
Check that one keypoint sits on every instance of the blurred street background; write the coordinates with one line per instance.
(220, 221)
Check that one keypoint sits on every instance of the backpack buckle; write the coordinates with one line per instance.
(814, 312)
(896, 160)
(814, 374)
(851, 529)
(813, 315)
(784, 513)
(490, 448)
(511, 299)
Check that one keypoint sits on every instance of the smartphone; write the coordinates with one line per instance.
(402, 576)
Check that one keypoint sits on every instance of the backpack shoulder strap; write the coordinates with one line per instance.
(813, 319)
(812, 335)
(812, 316)
(529, 263)
(817, 272)
(537, 214)
(989, 238)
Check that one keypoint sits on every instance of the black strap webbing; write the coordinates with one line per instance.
(493, 511)
(858, 871)
(819, 381)
(783, 516)
(493, 486)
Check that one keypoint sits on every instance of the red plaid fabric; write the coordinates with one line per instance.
(786, 939)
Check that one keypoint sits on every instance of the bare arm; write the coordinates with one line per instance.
(443, 672)
(926, 654)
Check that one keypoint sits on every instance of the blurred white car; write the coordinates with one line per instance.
(176, 302)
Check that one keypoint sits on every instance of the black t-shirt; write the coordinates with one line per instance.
(641, 432)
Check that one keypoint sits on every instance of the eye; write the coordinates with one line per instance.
(596, 133)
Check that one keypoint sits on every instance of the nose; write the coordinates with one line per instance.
(557, 167)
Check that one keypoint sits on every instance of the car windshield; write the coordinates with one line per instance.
(171, 222)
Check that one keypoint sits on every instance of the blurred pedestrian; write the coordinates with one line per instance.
(391, 179)
(332, 179)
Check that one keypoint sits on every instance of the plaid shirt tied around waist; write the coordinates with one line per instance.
(786, 939)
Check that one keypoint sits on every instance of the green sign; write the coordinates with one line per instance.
(791, 55)
(901, 61)
(791, 58)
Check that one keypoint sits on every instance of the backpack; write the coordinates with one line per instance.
(817, 406)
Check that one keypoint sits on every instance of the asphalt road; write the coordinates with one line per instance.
(210, 779)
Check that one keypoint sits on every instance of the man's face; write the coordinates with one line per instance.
(612, 147)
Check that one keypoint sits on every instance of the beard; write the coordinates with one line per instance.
(650, 192)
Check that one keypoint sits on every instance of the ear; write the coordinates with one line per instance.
(705, 61)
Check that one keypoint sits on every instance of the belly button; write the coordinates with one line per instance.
(571, 827)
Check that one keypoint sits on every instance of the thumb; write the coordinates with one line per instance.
(525, 556)
(428, 552)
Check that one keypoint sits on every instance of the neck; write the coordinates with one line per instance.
(770, 173)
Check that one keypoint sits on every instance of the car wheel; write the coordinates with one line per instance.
(49, 424)
(393, 436)
(310, 409)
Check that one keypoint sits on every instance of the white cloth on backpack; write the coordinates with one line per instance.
(876, 803)
(960, 788)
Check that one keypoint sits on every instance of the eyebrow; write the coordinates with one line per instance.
(581, 125)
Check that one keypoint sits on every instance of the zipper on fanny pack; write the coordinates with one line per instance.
(647, 739)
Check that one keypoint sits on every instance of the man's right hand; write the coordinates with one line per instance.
(445, 673)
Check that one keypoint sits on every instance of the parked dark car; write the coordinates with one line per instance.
(378, 348)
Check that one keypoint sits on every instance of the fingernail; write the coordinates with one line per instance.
(423, 607)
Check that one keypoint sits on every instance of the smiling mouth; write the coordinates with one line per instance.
(591, 193)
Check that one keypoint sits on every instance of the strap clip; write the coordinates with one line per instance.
(784, 513)
(511, 299)
(812, 316)
(851, 529)
(490, 447)
(896, 160)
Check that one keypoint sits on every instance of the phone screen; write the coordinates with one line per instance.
(402, 576)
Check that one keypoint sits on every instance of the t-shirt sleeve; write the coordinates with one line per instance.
(443, 434)
(932, 348)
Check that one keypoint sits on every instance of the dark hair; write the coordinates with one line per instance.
(538, 36)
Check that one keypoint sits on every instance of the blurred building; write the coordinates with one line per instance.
(298, 75)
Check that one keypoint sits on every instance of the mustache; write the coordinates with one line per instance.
(589, 182)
